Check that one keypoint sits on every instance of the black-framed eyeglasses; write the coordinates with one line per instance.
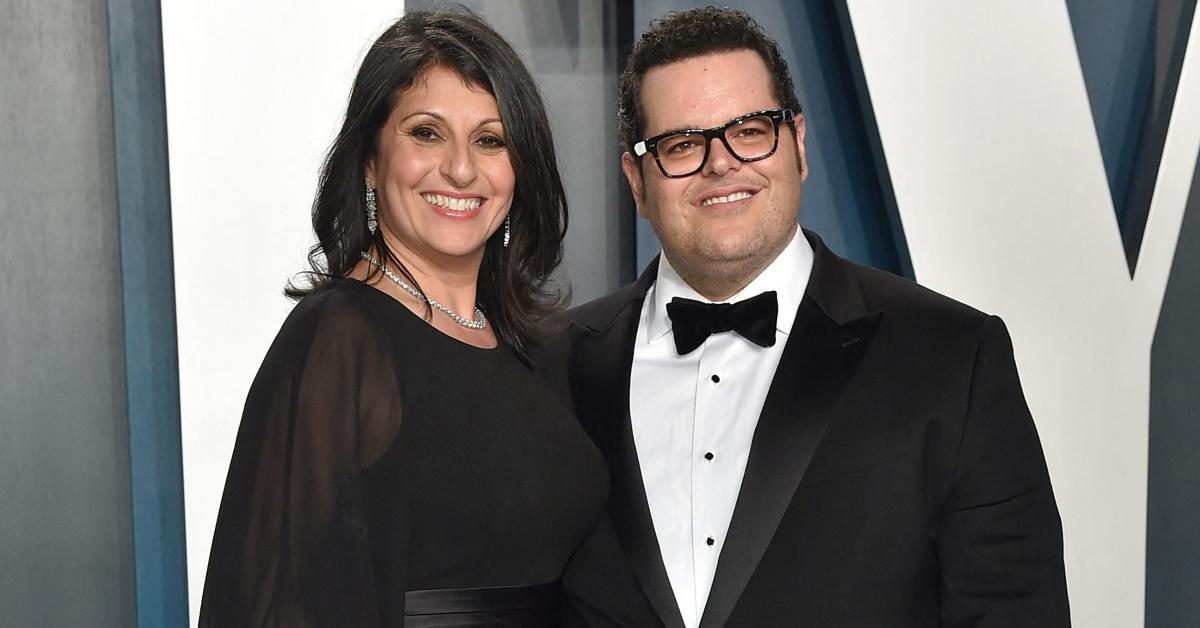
(749, 137)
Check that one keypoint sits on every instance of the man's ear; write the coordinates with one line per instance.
(633, 174)
(798, 125)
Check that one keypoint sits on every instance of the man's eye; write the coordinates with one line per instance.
(681, 147)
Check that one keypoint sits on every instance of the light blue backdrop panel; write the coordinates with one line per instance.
(848, 198)
(66, 552)
(148, 298)
(1131, 53)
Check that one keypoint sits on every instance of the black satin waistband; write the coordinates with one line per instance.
(493, 605)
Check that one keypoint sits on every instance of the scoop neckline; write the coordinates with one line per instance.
(416, 318)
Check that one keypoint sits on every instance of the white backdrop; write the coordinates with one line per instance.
(988, 134)
(255, 95)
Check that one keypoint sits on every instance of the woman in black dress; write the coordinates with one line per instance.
(398, 463)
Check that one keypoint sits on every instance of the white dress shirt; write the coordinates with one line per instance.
(694, 417)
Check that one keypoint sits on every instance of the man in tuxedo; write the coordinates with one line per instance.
(794, 439)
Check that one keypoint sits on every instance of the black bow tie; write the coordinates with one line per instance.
(694, 321)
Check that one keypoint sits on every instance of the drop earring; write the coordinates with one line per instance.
(371, 208)
(507, 229)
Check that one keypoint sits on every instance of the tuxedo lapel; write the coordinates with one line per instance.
(600, 363)
(829, 337)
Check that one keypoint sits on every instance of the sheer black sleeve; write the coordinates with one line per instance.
(291, 546)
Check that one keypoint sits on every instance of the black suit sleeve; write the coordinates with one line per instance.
(999, 541)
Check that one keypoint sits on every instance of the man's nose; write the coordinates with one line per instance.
(720, 160)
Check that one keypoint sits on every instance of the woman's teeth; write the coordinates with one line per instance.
(453, 204)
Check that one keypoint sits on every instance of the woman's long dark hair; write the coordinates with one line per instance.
(513, 285)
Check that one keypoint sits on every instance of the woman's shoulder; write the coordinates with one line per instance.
(346, 300)
(344, 310)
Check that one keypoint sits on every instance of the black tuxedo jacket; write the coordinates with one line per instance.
(895, 477)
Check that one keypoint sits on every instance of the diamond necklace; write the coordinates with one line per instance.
(479, 323)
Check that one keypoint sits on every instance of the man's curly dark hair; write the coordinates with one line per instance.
(681, 35)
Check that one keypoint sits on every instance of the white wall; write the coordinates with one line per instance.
(993, 155)
(255, 95)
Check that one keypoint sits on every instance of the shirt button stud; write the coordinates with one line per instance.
(708, 455)
(710, 541)
(716, 379)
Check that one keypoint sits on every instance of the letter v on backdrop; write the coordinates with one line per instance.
(990, 144)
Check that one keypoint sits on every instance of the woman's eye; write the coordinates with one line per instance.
(424, 133)
(491, 142)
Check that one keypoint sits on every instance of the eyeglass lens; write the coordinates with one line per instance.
(683, 153)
